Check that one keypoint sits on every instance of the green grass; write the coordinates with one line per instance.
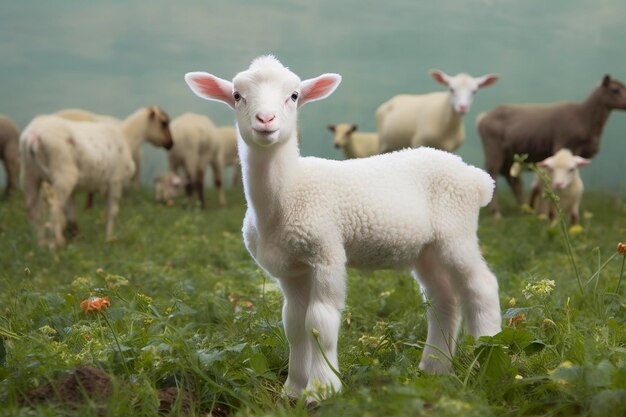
(191, 309)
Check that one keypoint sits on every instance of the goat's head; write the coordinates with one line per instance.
(562, 167)
(613, 93)
(342, 132)
(463, 87)
(265, 97)
(158, 128)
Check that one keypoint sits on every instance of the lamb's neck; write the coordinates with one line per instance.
(134, 129)
(266, 174)
(450, 118)
(596, 114)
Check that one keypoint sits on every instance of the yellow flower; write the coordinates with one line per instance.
(539, 289)
(95, 304)
(576, 229)
(512, 302)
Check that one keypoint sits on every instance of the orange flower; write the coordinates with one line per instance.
(95, 304)
(517, 319)
(621, 248)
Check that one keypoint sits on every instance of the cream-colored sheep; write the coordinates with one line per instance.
(354, 144)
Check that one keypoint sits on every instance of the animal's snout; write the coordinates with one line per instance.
(265, 118)
(462, 109)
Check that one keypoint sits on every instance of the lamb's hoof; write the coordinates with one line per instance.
(436, 365)
(111, 239)
(291, 391)
(317, 391)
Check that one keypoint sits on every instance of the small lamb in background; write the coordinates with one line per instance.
(354, 144)
(308, 219)
(9, 153)
(168, 186)
(566, 183)
(433, 119)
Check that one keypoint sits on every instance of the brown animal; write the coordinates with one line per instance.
(9, 154)
(541, 130)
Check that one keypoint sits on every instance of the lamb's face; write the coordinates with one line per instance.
(614, 93)
(342, 132)
(266, 104)
(463, 88)
(562, 168)
(158, 131)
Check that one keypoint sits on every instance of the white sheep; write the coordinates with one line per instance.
(197, 143)
(310, 218)
(95, 156)
(168, 186)
(80, 115)
(566, 183)
(433, 119)
(231, 156)
(354, 144)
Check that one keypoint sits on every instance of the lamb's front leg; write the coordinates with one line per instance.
(297, 291)
(114, 195)
(323, 319)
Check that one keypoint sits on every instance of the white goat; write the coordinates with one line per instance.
(310, 218)
(354, 144)
(95, 156)
(80, 115)
(197, 143)
(434, 119)
(566, 183)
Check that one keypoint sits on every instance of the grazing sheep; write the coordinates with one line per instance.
(168, 186)
(79, 115)
(231, 156)
(541, 130)
(9, 154)
(434, 119)
(95, 156)
(197, 143)
(310, 218)
(566, 183)
(354, 144)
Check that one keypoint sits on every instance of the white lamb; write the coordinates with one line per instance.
(168, 186)
(80, 115)
(566, 183)
(354, 144)
(310, 218)
(231, 156)
(197, 143)
(95, 156)
(434, 119)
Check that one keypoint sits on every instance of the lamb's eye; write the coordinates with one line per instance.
(615, 90)
(237, 96)
(294, 96)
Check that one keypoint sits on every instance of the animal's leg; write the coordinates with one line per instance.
(323, 319)
(443, 312)
(70, 214)
(114, 195)
(199, 184)
(12, 169)
(218, 170)
(477, 287)
(494, 160)
(297, 291)
(60, 195)
(535, 193)
(32, 186)
(89, 201)
(516, 186)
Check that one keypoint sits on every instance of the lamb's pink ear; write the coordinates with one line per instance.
(546, 163)
(581, 162)
(210, 87)
(440, 76)
(487, 80)
(318, 88)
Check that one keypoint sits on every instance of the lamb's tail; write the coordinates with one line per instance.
(33, 149)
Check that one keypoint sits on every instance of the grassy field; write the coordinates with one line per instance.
(189, 309)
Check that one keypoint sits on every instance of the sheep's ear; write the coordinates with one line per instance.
(487, 80)
(546, 163)
(210, 87)
(353, 128)
(440, 76)
(606, 81)
(331, 128)
(580, 161)
(318, 88)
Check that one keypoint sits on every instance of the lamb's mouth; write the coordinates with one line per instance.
(264, 132)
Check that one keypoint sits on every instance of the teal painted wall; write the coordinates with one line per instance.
(112, 57)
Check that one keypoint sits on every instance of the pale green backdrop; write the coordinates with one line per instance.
(113, 56)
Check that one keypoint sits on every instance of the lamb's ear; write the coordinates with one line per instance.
(318, 88)
(487, 80)
(546, 163)
(331, 128)
(606, 80)
(210, 87)
(440, 76)
(580, 161)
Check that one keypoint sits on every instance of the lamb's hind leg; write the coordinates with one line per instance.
(323, 319)
(443, 312)
(477, 287)
(297, 291)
